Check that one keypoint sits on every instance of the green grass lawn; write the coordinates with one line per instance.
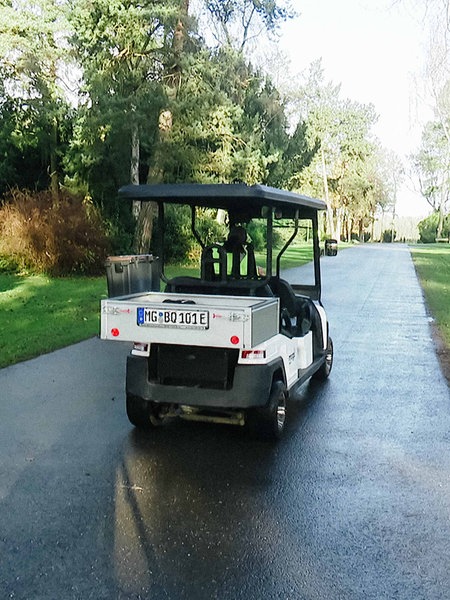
(39, 314)
(432, 263)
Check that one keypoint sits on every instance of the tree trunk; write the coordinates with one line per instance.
(330, 224)
(54, 180)
(441, 213)
(349, 229)
(361, 230)
(134, 166)
(148, 210)
(144, 228)
(338, 227)
(440, 225)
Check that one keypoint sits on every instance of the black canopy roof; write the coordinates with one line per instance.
(231, 197)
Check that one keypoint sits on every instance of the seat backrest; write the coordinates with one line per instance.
(251, 262)
(286, 294)
(239, 287)
(213, 266)
(243, 263)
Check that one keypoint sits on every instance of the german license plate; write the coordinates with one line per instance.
(170, 317)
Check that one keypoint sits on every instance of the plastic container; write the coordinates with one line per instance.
(132, 274)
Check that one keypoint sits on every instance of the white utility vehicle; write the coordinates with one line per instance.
(231, 345)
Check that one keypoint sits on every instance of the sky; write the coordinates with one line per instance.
(375, 50)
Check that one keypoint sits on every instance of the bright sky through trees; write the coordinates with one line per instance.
(374, 49)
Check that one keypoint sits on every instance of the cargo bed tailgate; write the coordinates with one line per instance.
(202, 320)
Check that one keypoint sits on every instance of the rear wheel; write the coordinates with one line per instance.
(269, 421)
(141, 413)
(325, 369)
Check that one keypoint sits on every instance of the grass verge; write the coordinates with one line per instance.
(432, 262)
(39, 314)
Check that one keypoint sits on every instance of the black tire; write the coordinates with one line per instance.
(141, 413)
(325, 369)
(269, 421)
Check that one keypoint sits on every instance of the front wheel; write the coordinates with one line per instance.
(141, 413)
(269, 421)
(325, 369)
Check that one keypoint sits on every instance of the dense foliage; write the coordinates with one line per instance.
(434, 227)
(40, 235)
(98, 93)
(431, 163)
(432, 166)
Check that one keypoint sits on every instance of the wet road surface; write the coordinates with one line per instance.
(353, 503)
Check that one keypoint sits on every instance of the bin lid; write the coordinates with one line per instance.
(130, 258)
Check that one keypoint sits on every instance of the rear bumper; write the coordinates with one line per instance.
(251, 387)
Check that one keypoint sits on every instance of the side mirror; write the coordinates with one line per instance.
(331, 247)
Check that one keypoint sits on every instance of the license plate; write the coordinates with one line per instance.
(169, 317)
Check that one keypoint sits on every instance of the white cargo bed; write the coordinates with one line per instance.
(190, 319)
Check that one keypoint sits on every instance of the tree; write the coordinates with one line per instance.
(235, 22)
(33, 51)
(338, 132)
(207, 132)
(432, 167)
(222, 127)
(432, 160)
(121, 49)
(265, 113)
(126, 51)
(385, 174)
(18, 146)
(298, 156)
(428, 228)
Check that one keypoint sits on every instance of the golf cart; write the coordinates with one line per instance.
(230, 345)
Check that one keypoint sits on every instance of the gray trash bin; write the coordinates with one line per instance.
(331, 247)
(132, 274)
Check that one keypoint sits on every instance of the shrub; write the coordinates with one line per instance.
(388, 236)
(177, 235)
(257, 231)
(180, 245)
(428, 228)
(60, 237)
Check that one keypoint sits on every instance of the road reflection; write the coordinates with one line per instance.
(195, 508)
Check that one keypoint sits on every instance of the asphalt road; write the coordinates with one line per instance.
(354, 502)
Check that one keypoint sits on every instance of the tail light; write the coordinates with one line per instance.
(253, 354)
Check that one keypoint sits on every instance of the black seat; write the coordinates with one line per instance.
(294, 308)
(243, 263)
(213, 266)
(240, 287)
